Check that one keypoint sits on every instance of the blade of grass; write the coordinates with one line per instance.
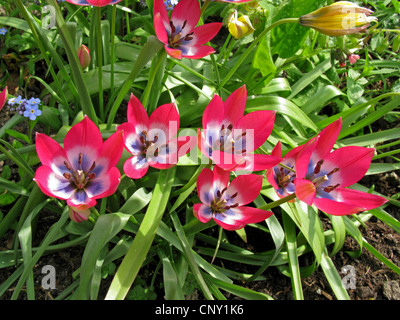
(294, 268)
(137, 253)
(189, 256)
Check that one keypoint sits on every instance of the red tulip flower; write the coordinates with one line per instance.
(225, 202)
(151, 139)
(322, 175)
(229, 137)
(3, 97)
(96, 3)
(179, 33)
(84, 170)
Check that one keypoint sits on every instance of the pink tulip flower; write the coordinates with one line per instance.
(229, 136)
(96, 3)
(3, 97)
(179, 33)
(151, 140)
(83, 56)
(225, 202)
(84, 170)
(233, 1)
(322, 175)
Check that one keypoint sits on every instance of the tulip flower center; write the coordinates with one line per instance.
(320, 180)
(284, 177)
(79, 178)
(226, 141)
(220, 203)
(175, 38)
(148, 144)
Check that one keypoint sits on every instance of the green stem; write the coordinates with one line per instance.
(252, 46)
(278, 202)
(148, 51)
(153, 72)
(113, 22)
(99, 52)
(204, 7)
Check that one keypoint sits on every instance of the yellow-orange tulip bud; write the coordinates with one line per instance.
(338, 19)
(239, 27)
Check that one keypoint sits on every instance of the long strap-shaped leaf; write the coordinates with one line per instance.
(76, 70)
(137, 253)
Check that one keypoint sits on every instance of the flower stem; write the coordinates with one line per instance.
(204, 7)
(100, 61)
(252, 46)
(278, 202)
(113, 22)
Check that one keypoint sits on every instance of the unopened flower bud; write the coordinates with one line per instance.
(3, 97)
(78, 215)
(84, 56)
(338, 19)
(239, 27)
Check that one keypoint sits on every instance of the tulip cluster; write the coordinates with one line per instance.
(85, 169)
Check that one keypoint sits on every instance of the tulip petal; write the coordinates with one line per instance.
(234, 106)
(185, 10)
(221, 178)
(243, 189)
(205, 186)
(202, 212)
(326, 140)
(348, 201)
(195, 51)
(81, 200)
(237, 218)
(3, 97)
(137, 115)
(260, 123)
(159, 26)
(204, 33)
(104, 185)
(352, 161)
(136, 166)
(51, 154)
(52, 184)
(164, 122)
(305, 190)
(110, 153)
(82, 144)
(174, 53)
(213, 113)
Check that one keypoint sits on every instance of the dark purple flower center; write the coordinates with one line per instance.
(79, 178)
(285, 176)
(220, 203)
(175, 38)
(320, 180)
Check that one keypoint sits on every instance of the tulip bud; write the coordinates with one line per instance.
(239, 27)
(3, 97)
(78, 215)
(338, 19)
(84, 56)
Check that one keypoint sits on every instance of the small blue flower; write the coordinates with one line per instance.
(34, 101)
(19, 100)
(11, 101)
(170, 4)
(3, 31)
(32, 111)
